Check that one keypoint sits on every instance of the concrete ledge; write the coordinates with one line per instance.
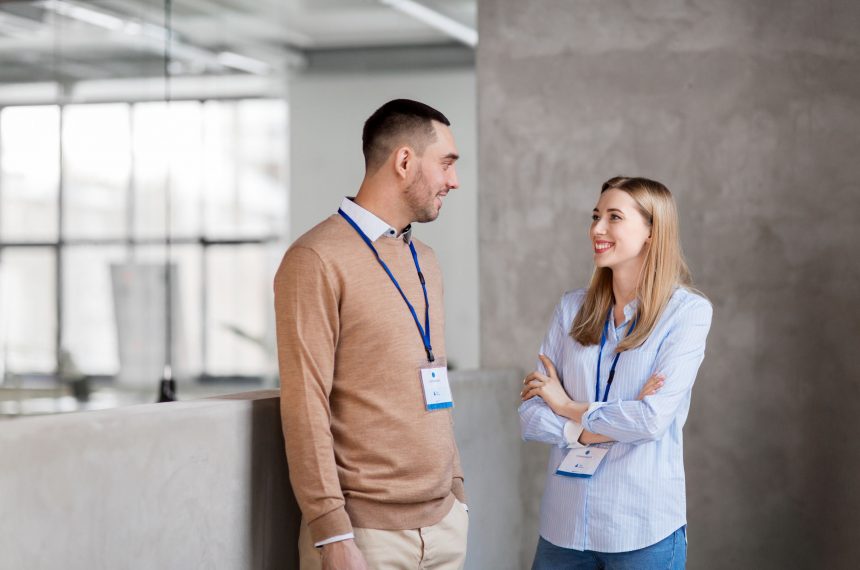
(200, 484)
(204, 483)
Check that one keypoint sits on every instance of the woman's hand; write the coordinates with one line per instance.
(549, 388)
(652, 386)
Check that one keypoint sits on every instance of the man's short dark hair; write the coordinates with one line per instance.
(398, 122)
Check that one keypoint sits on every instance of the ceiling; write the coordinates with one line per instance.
(67, 42)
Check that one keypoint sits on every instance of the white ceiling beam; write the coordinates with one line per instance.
(450, 26)
(139, 90)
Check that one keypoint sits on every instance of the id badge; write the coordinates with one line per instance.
(437, 390)
(582, 462)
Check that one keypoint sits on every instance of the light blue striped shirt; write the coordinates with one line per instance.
(637, 496)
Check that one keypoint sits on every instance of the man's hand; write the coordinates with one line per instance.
(342, 555)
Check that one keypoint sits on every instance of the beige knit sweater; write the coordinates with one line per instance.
(361, 447)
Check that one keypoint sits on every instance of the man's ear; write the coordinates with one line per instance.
(403, 158)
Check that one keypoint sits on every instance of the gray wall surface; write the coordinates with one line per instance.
(750, 113)
(183, 485)
(327, 113)
(498, 467)
(204, 484)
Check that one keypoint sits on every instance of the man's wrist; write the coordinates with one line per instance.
(334, 540)
(337, 546)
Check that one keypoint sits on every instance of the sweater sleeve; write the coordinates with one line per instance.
(307, 323)
(458, 487)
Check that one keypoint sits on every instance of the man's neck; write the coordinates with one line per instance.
(382, 209)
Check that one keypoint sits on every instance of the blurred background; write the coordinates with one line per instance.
(200, 136)
(157, 158)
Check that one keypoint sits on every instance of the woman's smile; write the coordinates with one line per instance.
(601, 246)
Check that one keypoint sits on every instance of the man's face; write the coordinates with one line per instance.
(435, 175)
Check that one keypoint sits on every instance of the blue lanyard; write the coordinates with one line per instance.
(425, 330)
(614, 361)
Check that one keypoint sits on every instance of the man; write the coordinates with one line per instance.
(365, 401)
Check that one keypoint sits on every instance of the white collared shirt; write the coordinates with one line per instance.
(372, 226)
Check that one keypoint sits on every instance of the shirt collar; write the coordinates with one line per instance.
(372, 226)
(629, 313)
(630, 309)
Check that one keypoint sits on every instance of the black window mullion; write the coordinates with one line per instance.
(204, 252)
(59, 245)
(131, 189)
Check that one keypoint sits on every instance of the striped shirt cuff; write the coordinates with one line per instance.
(586, 417)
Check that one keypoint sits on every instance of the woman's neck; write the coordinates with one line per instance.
(624, 290)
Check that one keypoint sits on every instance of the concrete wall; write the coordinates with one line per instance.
(327, 113)
(200, 484)
(750, 113)
(204, 484)
(498, 467)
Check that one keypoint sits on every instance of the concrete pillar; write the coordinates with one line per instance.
(750, 114)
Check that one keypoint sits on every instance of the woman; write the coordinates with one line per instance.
(617, 370)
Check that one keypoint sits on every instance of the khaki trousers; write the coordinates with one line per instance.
(438, 547)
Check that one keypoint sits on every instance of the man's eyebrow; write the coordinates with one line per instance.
(452, 156)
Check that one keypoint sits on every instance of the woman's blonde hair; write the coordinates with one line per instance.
(663, 270)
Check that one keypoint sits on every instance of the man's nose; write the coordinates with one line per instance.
(453, 181)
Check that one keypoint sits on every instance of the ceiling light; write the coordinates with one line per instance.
(243, 63)
(82, 14)
(441, 22)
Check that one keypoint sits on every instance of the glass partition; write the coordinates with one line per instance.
(144, 179)
(136, 137)
(29, 173)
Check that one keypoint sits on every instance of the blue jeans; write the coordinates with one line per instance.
(668, 554)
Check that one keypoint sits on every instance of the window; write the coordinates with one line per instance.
(85, 195)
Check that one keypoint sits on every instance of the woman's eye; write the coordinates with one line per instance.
(594, 217)
(615, 217)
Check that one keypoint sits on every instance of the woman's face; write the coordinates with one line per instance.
(619, 234)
